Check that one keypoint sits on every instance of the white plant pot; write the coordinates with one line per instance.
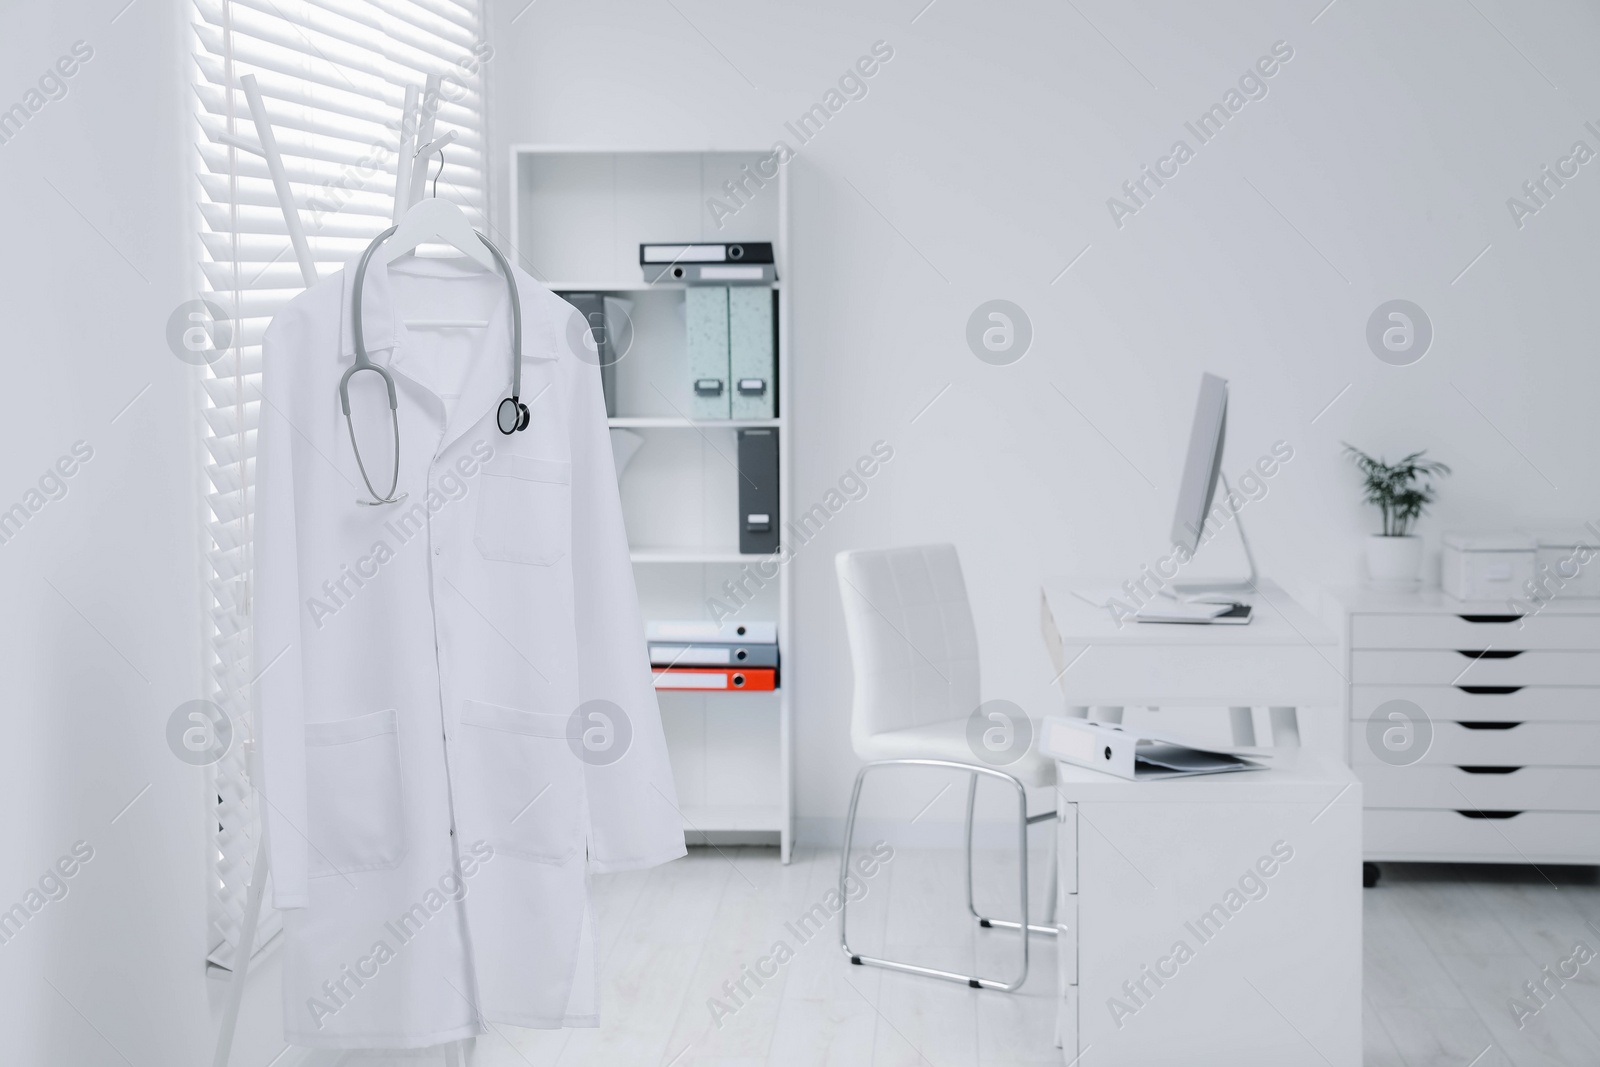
(1394, 561)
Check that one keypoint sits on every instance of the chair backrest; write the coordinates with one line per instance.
(912, 641)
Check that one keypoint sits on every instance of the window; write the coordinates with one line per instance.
(333, 75)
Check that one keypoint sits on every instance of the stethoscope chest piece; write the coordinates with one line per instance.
(511, 416)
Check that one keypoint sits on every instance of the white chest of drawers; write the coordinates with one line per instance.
(1475, 731)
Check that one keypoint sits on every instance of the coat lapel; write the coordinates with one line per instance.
(488, 380)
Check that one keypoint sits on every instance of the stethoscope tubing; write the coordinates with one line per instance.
(364, 362)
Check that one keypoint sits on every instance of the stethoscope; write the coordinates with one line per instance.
(512, 414)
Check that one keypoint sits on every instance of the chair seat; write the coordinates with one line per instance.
(948, 741)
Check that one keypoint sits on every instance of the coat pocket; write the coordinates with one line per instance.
(521, 783)
(524, 510)
(354, 797)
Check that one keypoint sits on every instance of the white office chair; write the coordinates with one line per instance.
(915, 653)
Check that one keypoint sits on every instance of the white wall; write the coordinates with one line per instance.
(100, 639)
(979, 165)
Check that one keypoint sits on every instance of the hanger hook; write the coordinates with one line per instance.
(440, 171)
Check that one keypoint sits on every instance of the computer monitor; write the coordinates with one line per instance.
(1202, 469)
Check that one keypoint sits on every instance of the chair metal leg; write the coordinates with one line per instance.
(1048, 930)
(974, 981)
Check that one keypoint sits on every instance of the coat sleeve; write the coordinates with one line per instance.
(280, 694)
(634, 820)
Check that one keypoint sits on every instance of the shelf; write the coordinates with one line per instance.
(672, 422)
(640, 286)
(713, 817)
(692, 555)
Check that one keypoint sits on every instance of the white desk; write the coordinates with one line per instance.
(1272, 979)
(1283, 659)
(1280, 983)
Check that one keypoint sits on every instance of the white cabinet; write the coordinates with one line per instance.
(1474, 729)
(1212, 920)
(578, 216)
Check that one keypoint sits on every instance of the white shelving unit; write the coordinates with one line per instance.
(582, 213)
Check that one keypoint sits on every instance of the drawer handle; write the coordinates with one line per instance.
(1489, 770)
(1488, 653)
(1490, 690)
(1488, 618)
(1489, 814)
(1489, 725)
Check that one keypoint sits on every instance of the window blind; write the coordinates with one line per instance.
(333, 76)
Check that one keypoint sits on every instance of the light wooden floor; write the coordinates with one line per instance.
(672, 936)
(1446, 947)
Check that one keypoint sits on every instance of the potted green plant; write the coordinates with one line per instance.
(1401, 491)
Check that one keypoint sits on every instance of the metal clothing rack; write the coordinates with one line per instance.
(416, 144)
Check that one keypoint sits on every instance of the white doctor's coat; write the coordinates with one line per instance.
(437, 780)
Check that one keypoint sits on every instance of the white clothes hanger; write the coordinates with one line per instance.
(429, 220)
(439, 221)
(411, 172)
(435, 221)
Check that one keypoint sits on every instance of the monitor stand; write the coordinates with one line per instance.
(1196, 590)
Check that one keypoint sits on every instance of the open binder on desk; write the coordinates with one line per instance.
(1138, 755)
(1194, 612)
